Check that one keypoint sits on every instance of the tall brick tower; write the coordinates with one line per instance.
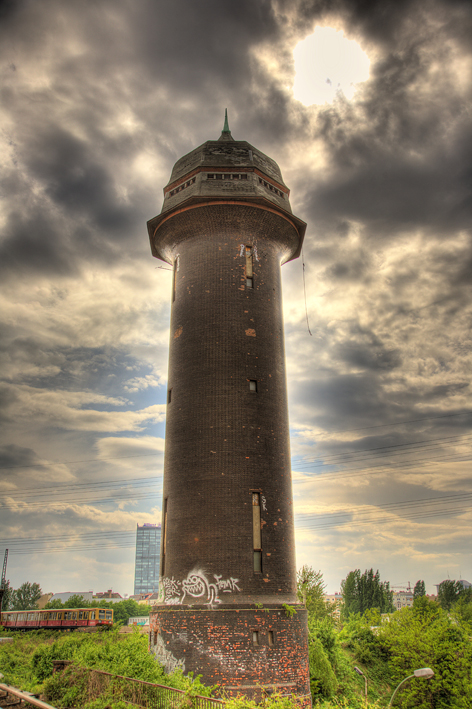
(228, 607)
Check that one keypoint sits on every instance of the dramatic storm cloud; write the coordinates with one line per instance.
(97, 103)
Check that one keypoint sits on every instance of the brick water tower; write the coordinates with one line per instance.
(228, 607)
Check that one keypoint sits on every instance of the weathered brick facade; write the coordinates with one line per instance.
(221, 644)
(227, 527)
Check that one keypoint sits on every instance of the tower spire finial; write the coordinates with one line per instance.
(226, 125)
(226, 133)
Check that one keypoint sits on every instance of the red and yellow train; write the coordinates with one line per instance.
(65, 619)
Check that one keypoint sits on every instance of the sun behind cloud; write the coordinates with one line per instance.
(326, 62)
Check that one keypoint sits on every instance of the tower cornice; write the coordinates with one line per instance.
(157, 222)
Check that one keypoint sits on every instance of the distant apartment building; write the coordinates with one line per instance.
(335, 599)
(109, 595)
(148, 546)
(402, 599)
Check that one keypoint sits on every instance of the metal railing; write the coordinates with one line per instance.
(23, 697)
(138, 693)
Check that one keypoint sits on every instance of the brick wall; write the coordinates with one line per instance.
(219, 644)
(222, 440)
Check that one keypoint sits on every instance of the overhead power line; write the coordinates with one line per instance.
(414, 445)
(440, 499)
(378, 520)
(147, 455)
(383, 468)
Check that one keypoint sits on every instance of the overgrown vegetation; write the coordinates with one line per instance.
(387, 648)
(27, 663)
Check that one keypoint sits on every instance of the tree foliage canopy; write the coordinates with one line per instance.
(6, 596)
(449, 592)
(419, 590)
(311, 589)
(24, 598)
(364, 591)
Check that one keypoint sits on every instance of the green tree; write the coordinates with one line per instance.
(462, 609)
(25, 597)
(364, 591)
(77, 601)
(323, 683)
(448, 593)
(310, 591)
(5, 596)
(419, 590)
(55, 604)
(425, 636)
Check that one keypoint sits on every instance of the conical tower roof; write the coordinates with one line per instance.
(226, 152)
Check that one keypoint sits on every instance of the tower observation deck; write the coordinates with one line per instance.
(227, 552)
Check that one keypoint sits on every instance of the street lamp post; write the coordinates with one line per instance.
(359, 672)
(425, 672)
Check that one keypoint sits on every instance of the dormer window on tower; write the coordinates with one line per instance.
(270, 187)
(181, 187)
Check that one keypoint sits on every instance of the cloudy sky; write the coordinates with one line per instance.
(98, 100)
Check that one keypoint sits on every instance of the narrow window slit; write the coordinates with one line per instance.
(256, 532)
(164, 537)
(249, 267)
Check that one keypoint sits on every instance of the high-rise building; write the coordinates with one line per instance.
(228, 607)
(148, 545)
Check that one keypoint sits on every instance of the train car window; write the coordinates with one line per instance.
(101, 615)
(92, 615)
(74, 615)
(54, 615)
(80, 615)
(109, 615)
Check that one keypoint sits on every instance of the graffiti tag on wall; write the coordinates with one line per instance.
(166, 658)
(197, 585)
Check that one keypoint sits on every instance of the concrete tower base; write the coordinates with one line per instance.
(244, 650)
